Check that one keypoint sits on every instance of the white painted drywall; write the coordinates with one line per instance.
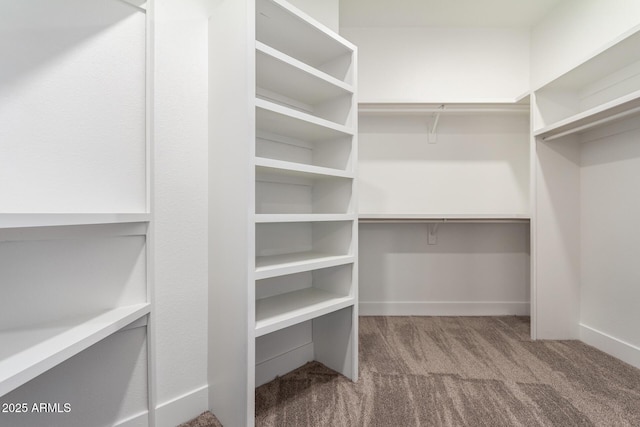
(474, 269)
(479, 165)
(66, 144)
(557, 202)
(574, 30)
(440, 64)
(326, 11)
(180, 133)
(610, 235)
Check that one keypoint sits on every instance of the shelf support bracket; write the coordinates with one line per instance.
(433, 135)
(432, 238)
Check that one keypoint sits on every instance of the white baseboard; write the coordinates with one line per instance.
(138, 420)
(183, 408)
(624, 351)
(444, 308)
(269, 369)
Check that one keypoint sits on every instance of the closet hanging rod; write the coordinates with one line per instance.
(593, 124)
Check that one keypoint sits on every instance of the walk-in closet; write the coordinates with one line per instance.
(319, 213)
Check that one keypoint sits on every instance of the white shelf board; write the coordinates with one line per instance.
(610, 58)
(605, 113)
(305, 38)
(293, 79)
(280, 265)
(27, 220)
(28, 352)
(271, 218)
(424, 217)
(281, 311)
(280, 120)
(385, 108)
(299, 169)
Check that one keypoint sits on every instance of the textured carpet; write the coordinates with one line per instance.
(457, 371)
(206, 419)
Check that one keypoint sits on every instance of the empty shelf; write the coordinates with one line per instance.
(600, 115)
(280, 265)
(285, 121)
(299, 169)
(305, 38)
(269, 218)
(288, 309)
(390, 218)
(392, 108)
(289, 77)
(24, 220)
(28, 352)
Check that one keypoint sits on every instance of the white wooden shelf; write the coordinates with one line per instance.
(384, 108)
(608, 60)
(271, 218)
(299, 169)
(281, 120)
(280, 265)
(27, 220)
(472, 218)
(622, 107)
(284, 310)
(294, 79)
(304, 38)
(28, 352)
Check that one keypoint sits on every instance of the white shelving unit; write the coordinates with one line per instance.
(295, 300)
(75, 216)
(602, 89)
(585, 128)
(28, 352)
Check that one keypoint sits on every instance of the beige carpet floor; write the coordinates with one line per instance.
(457, 371)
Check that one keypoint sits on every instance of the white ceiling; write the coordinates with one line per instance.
(450, 13)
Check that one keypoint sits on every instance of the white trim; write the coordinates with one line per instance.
(183, 408)
(138, 420)
(280, 365)
(613, 346)
(444, 308)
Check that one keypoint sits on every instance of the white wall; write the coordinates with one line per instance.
(440, 64)
(574, 30)
(325, 11)
(56, 119)
(479, 165)
(474, 269)
(181, 103)
(610, 208)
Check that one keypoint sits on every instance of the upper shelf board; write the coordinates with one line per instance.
(305, 39)
(291, 78)
(622, 107)
(443, 108)
(29, 220)
(471, 218)
(611, 58)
